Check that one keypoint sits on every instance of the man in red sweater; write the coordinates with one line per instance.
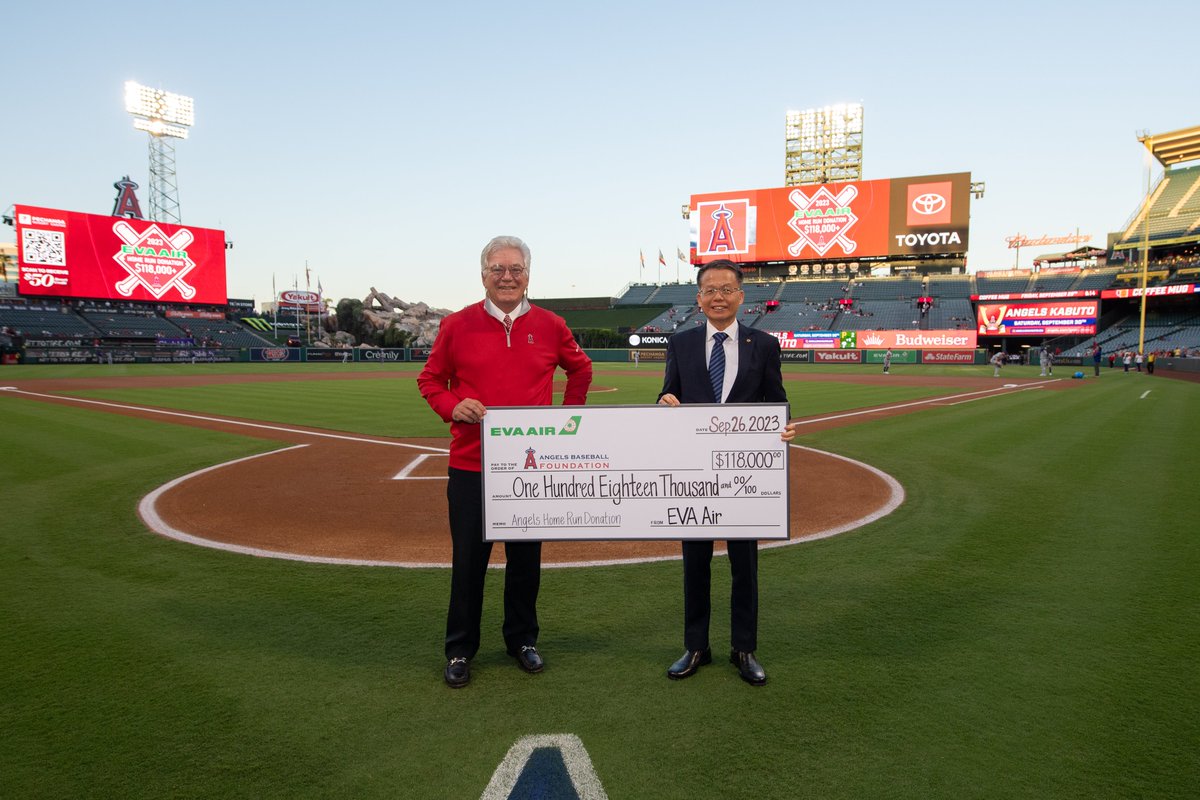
(499, 352)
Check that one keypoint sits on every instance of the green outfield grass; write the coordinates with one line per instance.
(1024, 625)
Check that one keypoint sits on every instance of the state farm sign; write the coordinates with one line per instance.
(947, 357)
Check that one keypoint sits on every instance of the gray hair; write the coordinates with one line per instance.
(503, 243)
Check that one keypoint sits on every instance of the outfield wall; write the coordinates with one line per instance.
(78, 354)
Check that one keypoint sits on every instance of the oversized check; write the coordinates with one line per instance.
(635, 472)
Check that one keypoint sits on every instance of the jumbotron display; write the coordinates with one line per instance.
(929, 214)
(74, 255)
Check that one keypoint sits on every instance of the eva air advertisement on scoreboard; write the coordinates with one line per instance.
(70, 254)
(928, 214)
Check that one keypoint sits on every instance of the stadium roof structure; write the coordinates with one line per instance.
(1175, 147)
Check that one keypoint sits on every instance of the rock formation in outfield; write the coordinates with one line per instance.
(382, 310)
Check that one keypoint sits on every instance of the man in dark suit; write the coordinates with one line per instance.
(722, 362)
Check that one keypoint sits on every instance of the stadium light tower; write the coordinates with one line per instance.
(823, 145)
(166, 116)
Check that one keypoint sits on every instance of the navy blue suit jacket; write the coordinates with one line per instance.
(758, 376)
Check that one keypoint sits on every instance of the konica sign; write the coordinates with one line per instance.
(649, 340)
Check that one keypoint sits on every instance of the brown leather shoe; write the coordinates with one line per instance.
(748, 667)
(688, 663)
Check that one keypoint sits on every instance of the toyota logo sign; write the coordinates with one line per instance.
(928, 204)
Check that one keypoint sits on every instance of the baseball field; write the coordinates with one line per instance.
(1023, 623)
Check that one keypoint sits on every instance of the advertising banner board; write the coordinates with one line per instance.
(1054, 318)
(75, 255)
(929, 214)
(876, 340)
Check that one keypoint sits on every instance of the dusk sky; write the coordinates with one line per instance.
(384, 144)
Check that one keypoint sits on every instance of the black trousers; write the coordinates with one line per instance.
(743, 596)
(522, 574)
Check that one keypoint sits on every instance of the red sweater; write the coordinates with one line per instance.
(472, 358)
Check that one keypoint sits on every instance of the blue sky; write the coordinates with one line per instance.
(384, 144)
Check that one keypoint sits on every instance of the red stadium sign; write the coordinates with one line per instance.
(69, 254)
(1151, 291)
(875, 340)
(1039, 319)
(898, 217)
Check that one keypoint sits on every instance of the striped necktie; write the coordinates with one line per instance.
(716, 364)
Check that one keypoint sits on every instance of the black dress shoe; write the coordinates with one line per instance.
(458, 672)
(529, 660)
(748, 667)
(688, 663)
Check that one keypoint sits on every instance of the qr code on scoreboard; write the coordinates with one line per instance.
(43, 247)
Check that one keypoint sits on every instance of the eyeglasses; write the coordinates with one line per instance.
(724, 291)
(498, 271)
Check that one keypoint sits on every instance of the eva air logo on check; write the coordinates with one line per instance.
(569, 429)
(848, 340)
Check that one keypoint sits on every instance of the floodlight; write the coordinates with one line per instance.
(155, 104)
(165, 116)
(823, 144)
(157, 127)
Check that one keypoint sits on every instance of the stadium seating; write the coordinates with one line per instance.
(636, 294)
(46, 321)
(815, 291)
(1095, 279)
(1052, 281)
(222, 333)
(880, 315)
(986, 285)
(1174, 209)
(674, 293)
(796, 317)
(949, 286)
(670, 319)
(129, 325)
(950, 313)
(901, 288)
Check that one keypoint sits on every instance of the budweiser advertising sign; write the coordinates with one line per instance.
(69, 254)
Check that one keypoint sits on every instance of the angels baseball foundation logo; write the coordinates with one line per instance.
(155, 261)
(823, 220)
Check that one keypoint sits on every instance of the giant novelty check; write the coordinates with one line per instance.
(635, 472)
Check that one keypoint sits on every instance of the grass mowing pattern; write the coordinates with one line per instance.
(1023, 625)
